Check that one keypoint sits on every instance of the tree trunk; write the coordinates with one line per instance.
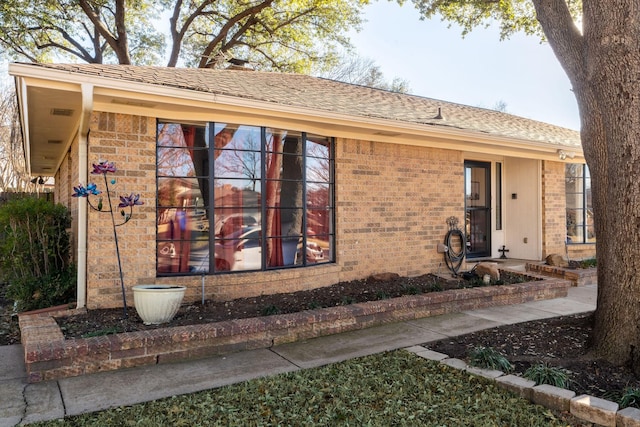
(603, 65)
(615, 155)
(612, 48)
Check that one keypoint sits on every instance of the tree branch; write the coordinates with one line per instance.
(119, 45)
(205, 61)
(563, 36)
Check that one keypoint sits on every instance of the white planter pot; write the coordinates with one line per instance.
(157, 304)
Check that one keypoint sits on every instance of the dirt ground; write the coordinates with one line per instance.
(9, 331)
(561, 342)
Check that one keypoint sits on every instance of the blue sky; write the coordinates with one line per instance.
(478, 70)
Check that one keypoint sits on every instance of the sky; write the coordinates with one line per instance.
(478, 70)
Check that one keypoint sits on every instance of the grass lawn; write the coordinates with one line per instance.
(389, 389)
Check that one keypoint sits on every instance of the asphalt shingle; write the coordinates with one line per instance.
(297, 90)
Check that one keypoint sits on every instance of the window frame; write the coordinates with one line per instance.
(582, 227)
(210, 207)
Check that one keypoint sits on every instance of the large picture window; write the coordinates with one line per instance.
(256, 198)
(580, 228)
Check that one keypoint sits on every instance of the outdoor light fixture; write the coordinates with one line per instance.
(38, 180)
(564, 154)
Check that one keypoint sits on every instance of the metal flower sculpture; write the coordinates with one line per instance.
(103, 168)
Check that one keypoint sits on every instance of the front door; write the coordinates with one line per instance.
(477, 178)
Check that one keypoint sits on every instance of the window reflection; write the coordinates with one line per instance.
(580, 225)
(271, 203)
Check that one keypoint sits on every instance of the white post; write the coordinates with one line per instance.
(83, 142)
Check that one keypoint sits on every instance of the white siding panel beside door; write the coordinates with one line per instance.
(522, 204)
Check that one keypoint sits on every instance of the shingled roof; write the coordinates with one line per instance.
(297, 90)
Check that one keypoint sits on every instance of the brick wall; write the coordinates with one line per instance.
(582, 251)
(392, 202)
(554, 208)
(129, 142)
(66, 178)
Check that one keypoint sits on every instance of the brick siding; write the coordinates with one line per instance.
(392, 202)
(554, 209)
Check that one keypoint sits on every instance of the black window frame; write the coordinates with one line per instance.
(583, 225)
(210, 127)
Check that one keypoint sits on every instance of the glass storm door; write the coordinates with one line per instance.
(477, 178)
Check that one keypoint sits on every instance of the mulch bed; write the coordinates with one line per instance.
(561, 342)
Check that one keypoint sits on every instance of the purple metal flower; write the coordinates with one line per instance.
(82, 191)
(103, 167)
(130, 200)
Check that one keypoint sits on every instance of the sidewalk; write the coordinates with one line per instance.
(22, 403)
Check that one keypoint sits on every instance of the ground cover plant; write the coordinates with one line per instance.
(389, 389)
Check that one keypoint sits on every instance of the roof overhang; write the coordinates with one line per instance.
(52, 103)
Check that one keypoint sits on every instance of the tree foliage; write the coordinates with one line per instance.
(286, 35)
(512, 16)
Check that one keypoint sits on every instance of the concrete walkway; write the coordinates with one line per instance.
(22, 403)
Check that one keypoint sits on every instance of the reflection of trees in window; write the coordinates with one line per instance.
(291, 196)
(173, 160)
(244, 162)
(270, 217)
(318, 179)
(317, 161)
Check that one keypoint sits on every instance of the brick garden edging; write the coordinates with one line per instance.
(585, 407)
(48, 355)
(578, 276)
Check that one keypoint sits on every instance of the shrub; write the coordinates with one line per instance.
(313, 305)
(347, 300)
(435, 287)
(489, 358)
(542, 373)
(35, 253)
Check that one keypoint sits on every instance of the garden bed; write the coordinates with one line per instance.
(48, 355)
(577, 276)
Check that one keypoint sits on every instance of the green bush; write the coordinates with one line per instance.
(489, 358)
(542, 373)
(35, 260)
